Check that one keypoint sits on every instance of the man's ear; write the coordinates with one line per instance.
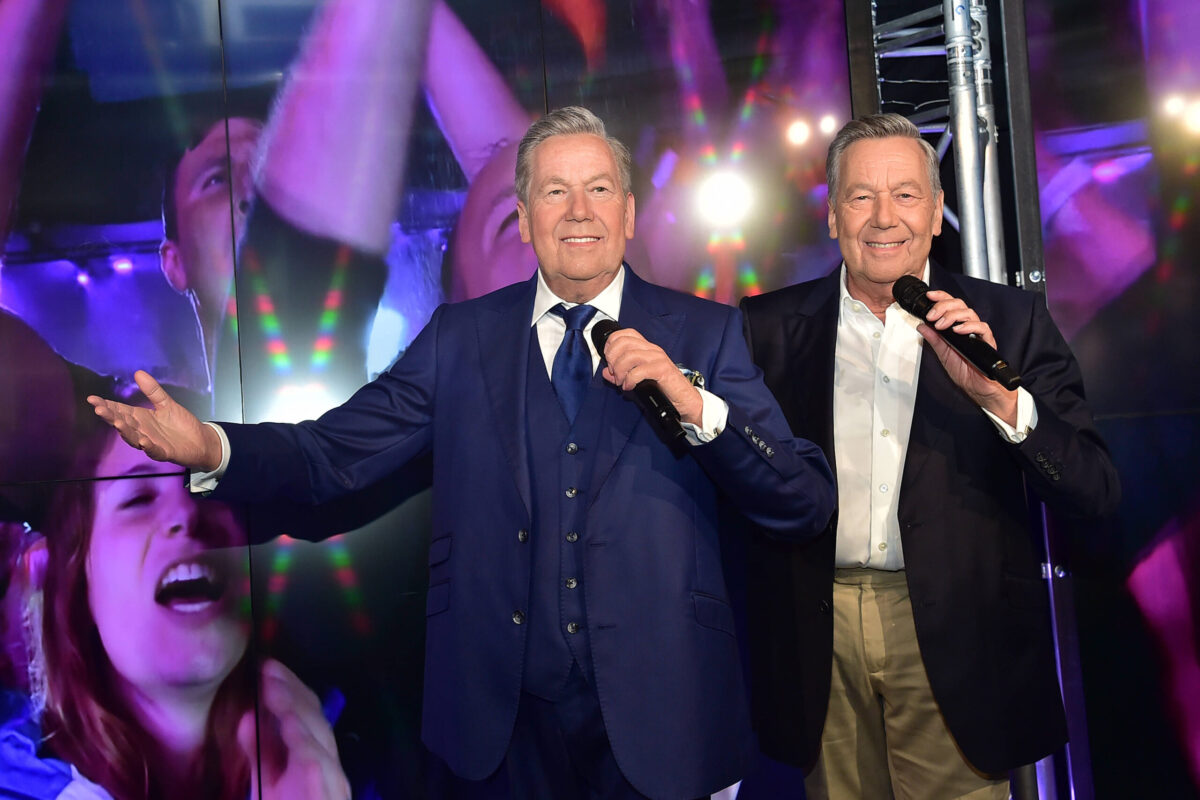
(523, 223)
(832, 221)
(171, 264)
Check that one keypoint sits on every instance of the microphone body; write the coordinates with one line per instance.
(655, 406)
(909, 292)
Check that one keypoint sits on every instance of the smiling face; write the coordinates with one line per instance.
(577, 218)
(200, 258)
(165, 601)
(884, 216)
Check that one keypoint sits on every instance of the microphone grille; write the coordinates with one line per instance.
(909, 291)
(601, 331)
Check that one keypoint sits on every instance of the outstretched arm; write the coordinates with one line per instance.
(336, 143)
(29, 30)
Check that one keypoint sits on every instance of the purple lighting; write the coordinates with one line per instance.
(83, 279)
(122, 264)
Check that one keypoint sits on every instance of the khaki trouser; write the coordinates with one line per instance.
(884, 735)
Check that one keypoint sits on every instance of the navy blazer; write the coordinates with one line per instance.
(659, 624)
(973, 565)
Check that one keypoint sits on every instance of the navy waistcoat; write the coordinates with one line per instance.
(561, 456)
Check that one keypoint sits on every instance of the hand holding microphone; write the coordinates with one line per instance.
(911, 294)
(630, 368)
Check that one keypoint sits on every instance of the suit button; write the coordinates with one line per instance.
(1041, 458)
(572, 448)
(518, 617)
(571, 583)
(748, 431)
(522, 535)
(572, 536)
(572, 627)
(823, 606)
(770, 451)
(571, 491)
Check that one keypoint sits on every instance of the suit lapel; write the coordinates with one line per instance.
(810, 338)
(643, 310)
(503, 329)
(936, 394)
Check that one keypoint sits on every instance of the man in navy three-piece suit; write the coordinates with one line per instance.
(579, 639)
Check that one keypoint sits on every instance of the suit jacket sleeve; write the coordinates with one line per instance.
(780, 482)
(381, 428)
(1064, 458)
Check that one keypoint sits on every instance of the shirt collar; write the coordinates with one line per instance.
(845, 301)
(607, 303)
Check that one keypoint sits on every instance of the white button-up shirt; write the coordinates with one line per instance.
(876, 365)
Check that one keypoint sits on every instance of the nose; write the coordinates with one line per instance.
(883, 212)
(579, 207)
(182, 521)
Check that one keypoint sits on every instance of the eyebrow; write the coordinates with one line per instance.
(554, 179)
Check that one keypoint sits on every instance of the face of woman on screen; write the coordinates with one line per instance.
(166, 577)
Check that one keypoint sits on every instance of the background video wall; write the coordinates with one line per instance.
(261, 202)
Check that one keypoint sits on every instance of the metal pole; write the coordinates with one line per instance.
(986, 110)
(964, 125)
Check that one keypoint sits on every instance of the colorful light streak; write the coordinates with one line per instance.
(343, 572)
(717, 278)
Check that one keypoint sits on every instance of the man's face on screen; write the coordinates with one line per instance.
(165, 578)
(210, 176)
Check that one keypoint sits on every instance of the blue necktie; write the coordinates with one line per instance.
(572, 371)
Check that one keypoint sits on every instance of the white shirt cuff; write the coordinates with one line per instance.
(1026, 418)
(205, 482)
(713, 415)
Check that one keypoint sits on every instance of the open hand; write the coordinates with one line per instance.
(166, 431)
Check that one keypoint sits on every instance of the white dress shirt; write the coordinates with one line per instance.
(876, 365)
(551, 328)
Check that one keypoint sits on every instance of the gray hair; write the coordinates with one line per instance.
(876, 126)
(567, 121)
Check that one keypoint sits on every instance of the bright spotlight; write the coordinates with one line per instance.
(1174, 104)
(724, 199)
(827, 124)
(295, 403)
(798, 132)
(1191, 118)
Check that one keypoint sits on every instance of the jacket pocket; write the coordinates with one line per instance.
(437, 599)
(439, 549)
(713, 613)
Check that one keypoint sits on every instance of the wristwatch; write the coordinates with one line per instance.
(695, 377)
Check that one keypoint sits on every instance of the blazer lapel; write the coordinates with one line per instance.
(641, 309)
(810, 338)
(936, 393)
(503, 329)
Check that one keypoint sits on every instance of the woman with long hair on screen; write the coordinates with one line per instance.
(149, 688)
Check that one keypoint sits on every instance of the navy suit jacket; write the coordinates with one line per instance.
(972, 562)
(661, 631)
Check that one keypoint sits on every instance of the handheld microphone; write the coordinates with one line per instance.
(909, 292)
(662, 416)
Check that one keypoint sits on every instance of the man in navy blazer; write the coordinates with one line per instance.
(907, 651)
(579, 632)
